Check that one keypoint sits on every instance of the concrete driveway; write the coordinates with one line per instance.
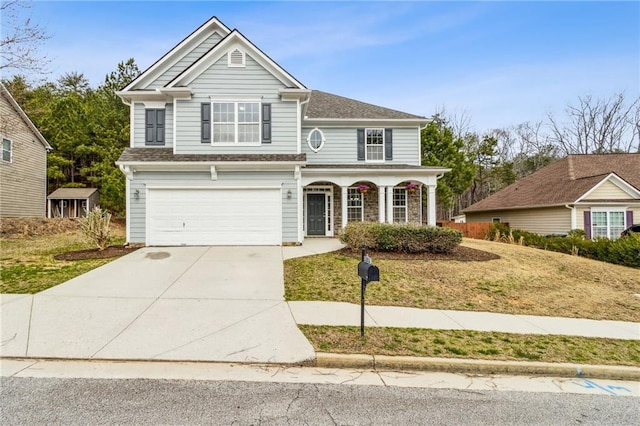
(169, 303)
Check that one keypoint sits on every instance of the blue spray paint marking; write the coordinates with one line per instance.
(588, 384)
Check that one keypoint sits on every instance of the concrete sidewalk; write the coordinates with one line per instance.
(348, 314)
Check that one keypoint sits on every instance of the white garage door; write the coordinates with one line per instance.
(220, 216)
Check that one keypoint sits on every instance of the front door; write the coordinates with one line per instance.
(315, 214)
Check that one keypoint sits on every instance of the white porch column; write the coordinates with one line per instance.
(431, 205)
(390, 204)
(381, 205)
(344, 205)
(49, 209)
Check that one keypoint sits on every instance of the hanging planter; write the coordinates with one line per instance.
(363, 189)
(412, 187)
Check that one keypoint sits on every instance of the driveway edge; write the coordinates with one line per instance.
(476, 366)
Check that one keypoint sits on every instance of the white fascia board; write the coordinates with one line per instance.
(213, 185)
(232, 41)
(617, 181)
(170, 58)
(364, 171)
(541, 206)
(206, 165)
(363, 122)
(294, 94)
(156, 95)
(25, 118)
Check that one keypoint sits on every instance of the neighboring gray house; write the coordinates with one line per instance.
(72, 202)
(229, 148)
(23, 165)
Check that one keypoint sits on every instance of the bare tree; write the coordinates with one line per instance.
(20, 40)
(598, 126)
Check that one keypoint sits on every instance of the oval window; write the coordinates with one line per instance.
(315, 140)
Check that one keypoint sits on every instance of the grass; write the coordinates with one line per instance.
(28, 265)
(523, 281)
(474, 344)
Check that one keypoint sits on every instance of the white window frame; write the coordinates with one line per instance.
(496, 220)
(322, 140)
(608, 211)
(10, 151)
(367, 144)
(236, 123)
(397, 206)
(351, 190)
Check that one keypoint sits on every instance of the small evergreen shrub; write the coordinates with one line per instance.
(406, 238)
(97, 227)
(622, 251)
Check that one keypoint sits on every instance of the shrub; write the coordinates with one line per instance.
(97, 227)
(407, 238)
(622, 251)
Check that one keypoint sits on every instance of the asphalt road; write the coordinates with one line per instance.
(35, 401)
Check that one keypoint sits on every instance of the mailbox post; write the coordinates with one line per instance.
(367, 273)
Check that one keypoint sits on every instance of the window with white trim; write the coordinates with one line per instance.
(374, 144)
(354, 205)
(399, 205)
(236, 122)
(7, 150)
(316, 140)
(607, 223)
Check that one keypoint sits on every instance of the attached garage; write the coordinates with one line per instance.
(214, 216)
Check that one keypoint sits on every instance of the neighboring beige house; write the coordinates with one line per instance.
(599, 193)
(23, 165)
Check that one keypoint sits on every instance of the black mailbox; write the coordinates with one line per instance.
(368, 272)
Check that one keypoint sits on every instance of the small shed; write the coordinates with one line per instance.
(72, 202)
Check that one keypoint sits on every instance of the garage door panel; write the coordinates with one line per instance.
(214, 217)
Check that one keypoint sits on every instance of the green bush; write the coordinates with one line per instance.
(406, 238)
(622, 251)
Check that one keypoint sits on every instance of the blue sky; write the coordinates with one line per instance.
(500, 63)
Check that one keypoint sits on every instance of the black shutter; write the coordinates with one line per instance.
(388, 144)
(205, 122)
(266, 123)
(150, 125)
(160, 126)
(360, 144)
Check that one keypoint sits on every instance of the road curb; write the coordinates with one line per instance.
(476, 366)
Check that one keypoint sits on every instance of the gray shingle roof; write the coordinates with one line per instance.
(562, 182)
(327, 105)
(166, 154)
(71, 193)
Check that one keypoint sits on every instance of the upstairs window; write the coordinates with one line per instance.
(7, 150)
(154, 124)
(315, 140)
(236, 122)
(374, 144)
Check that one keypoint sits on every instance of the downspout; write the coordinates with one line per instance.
(574, 219)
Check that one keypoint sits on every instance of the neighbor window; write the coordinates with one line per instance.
(374, 144)
(315, 140)
(607, 224)
(154, 123)
(7, 150)
(399, 205)
(236, 122)
(354, 205)
(496, 219)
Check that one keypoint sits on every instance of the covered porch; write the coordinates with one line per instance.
(334, 196)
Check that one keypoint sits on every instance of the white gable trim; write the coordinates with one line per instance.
(233, 41)
(7, 95)
(617, 181)
(170, 58)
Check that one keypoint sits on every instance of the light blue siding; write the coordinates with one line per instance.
(340, 146)
(137, 207)
(139, 126)
(253, 80)
(187, 60)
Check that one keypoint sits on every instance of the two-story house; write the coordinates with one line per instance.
(23, 165)
(228, 148)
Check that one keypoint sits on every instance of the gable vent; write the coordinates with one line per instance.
(236, 58)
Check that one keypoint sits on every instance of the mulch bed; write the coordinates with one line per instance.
(109, 252)
(460, 253)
